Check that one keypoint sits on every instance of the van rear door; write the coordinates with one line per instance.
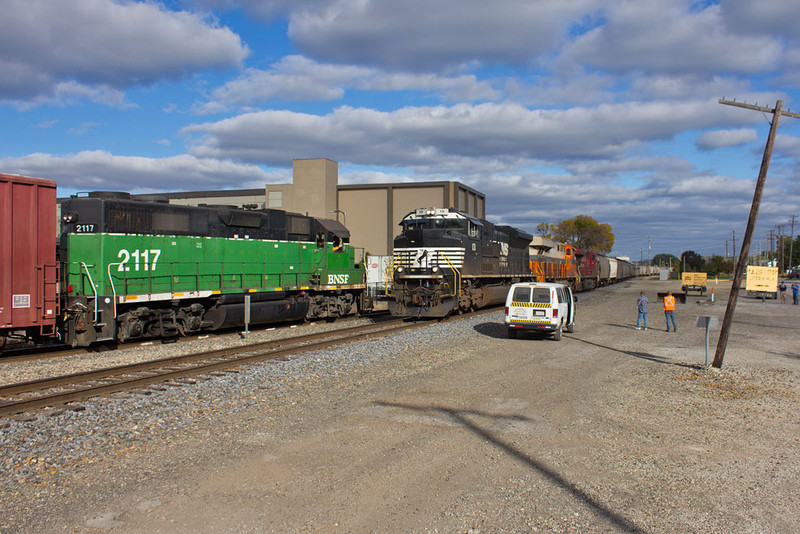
(519, 308)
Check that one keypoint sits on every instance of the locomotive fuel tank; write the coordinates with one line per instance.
(263, 312)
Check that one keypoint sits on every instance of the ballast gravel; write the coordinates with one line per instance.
(449, 428)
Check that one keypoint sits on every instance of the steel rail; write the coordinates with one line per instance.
(195, 364)
(198, 363)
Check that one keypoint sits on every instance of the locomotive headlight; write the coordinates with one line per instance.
(69, 217)
(399, 269)
(435, 269)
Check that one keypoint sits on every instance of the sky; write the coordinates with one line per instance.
(552, 108)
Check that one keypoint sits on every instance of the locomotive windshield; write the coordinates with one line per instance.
(436, 223)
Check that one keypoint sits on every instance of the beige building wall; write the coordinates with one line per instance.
(366, 216)
(313, 188)
(385, 205)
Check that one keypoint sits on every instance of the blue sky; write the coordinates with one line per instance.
(552, 108)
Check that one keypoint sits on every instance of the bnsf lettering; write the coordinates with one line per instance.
(334, 279)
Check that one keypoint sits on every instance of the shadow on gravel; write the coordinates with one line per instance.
(765, 326)
(495, 330)
(644, 355)
(626, 326)
(785, 355)
(460, 417)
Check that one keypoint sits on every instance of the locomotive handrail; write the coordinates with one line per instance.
(457, 278)
(390, 275)
(113, 289)
(94, 289)
(242, 277)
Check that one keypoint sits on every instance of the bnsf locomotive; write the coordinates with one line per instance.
(129, 269)
(447, 261)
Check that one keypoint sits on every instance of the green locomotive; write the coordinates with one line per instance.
(133, 269)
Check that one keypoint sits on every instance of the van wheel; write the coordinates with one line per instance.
(571, 328)
(512, 334)
(557, 334)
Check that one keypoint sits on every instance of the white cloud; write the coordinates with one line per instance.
(298, 79)
(775, 17)
(435, 135)
(55, 48)
(99, 170)
(726, 138)
(424, 35)
(668, 37)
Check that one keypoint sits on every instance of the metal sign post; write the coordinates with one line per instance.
(707, 322)
(246, 314)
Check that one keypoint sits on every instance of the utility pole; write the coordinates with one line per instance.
(781, 255)
(733, 249)
(791, 242)
(741, 264)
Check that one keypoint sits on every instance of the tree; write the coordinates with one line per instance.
(691, 261)
(584, 232)
(719, 265)
(545, 230)
(666, 260)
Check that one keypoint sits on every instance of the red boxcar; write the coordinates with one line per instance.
(29, 275)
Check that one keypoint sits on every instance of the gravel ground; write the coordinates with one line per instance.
(451, 428)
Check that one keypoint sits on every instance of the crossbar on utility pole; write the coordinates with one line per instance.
(741, 264)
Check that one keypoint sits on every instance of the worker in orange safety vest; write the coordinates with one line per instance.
(669, 310)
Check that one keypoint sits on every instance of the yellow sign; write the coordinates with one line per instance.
(762, 278)
(694, 279)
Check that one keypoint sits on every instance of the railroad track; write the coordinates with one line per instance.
(76, 387)
(49, 392)
(28, 353)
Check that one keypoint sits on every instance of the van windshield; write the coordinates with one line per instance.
(541, 295)
(521, 294)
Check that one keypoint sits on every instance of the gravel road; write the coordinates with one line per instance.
(451, 428)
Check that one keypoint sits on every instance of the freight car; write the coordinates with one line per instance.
(28, 267)
(129, 269)
(447, 261)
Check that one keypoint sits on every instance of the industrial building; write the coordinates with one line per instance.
(371, 212)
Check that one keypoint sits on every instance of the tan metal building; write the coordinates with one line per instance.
(371, 212)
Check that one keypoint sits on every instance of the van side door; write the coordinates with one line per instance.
(570, 305)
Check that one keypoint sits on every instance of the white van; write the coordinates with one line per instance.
(540, 307)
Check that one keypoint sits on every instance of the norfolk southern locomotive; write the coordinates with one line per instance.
(447, 261)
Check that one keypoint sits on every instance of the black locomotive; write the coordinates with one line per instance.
(447, 261)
